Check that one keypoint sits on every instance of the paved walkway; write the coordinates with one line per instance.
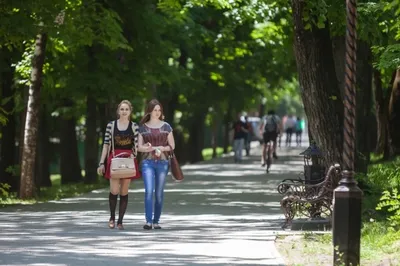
(222, 214)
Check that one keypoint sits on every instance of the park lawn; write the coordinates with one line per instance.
(380, 237)
(58, 191)
(207, 153)
(55, 192)
(379, 246)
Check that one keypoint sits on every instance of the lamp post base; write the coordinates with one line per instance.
(346, 221)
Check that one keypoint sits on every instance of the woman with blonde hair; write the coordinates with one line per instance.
(124, 135)
(155, 141)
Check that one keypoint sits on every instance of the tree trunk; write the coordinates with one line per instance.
(169, 101)
(319, 86)
(364, 118)
(227, 128)
(70, 167)
(32, 119)
(394, 115)
(8, 131)
(181, 151)
(339, 50)
(43, 152)
(381, 112)
(91, 141)
(196, 137)
(214, 134)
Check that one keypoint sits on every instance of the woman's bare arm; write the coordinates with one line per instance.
(144, 147)
(104, 153)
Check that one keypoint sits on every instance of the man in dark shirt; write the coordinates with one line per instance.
(239, 136)
(247, 139)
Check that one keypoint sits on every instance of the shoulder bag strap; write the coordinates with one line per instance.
(112, 138)
(135, 139)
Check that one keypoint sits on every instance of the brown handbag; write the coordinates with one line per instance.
(176, 170)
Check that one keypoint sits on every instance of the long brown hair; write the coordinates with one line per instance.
(149, 108)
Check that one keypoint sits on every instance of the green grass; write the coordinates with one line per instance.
(55, 192)
(58, 191)
(207, 153)
(377, 244)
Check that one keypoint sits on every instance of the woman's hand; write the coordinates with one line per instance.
(162, 148)
(148, 147)
(101, 170)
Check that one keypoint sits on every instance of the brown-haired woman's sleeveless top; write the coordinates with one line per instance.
(157, 137)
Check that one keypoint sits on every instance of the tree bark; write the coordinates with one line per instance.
(394, 115)
(43, 152)
(227, 128)
(170, 104)
(214, 134)
(196, 137)
(381, 112)
(364, 117)
(32, 119)
(339, 50)
(91, 141)
(319, 86)
(70, 167)
(8, 131)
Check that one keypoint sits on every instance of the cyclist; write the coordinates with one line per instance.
(270, 127)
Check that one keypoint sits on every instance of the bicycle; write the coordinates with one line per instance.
(269, 149)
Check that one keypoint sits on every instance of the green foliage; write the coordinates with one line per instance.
(178, 6)
(66, 191)
(3, 117)
(4, 190)
(14, 170)
(383, 176)
(394, 6)
(378, 238)
(389, 56)
(56, 192)
(315, 14)
(391, 201)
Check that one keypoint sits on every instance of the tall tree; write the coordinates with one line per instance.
(8, 130)
(318, 82)
(32, 119)
(394, 114)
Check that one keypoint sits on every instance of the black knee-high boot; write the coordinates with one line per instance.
(112, 199)
(123, 203)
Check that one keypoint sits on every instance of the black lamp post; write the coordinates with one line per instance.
(313, 168)
(347, 196)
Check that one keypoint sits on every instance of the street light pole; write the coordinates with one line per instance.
(348, 196)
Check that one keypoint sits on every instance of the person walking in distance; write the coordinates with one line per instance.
(269, 128)
(155, 141)
(299, 130)
(239, 136)
(124, 133)
(248, 135)
(290, 126)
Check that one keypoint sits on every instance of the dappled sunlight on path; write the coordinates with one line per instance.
(221, 214)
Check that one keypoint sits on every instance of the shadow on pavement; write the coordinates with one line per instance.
(222, 214)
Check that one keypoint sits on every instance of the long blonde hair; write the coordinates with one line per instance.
(127, 103)
(149, 108)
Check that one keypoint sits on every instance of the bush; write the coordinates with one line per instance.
(391, 201)
(382, 176)
(4, 190)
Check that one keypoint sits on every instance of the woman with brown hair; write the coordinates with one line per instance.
(155, 141)
(124, 133)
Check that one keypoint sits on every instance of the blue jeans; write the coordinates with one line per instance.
(154, 173)
(237, 149)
